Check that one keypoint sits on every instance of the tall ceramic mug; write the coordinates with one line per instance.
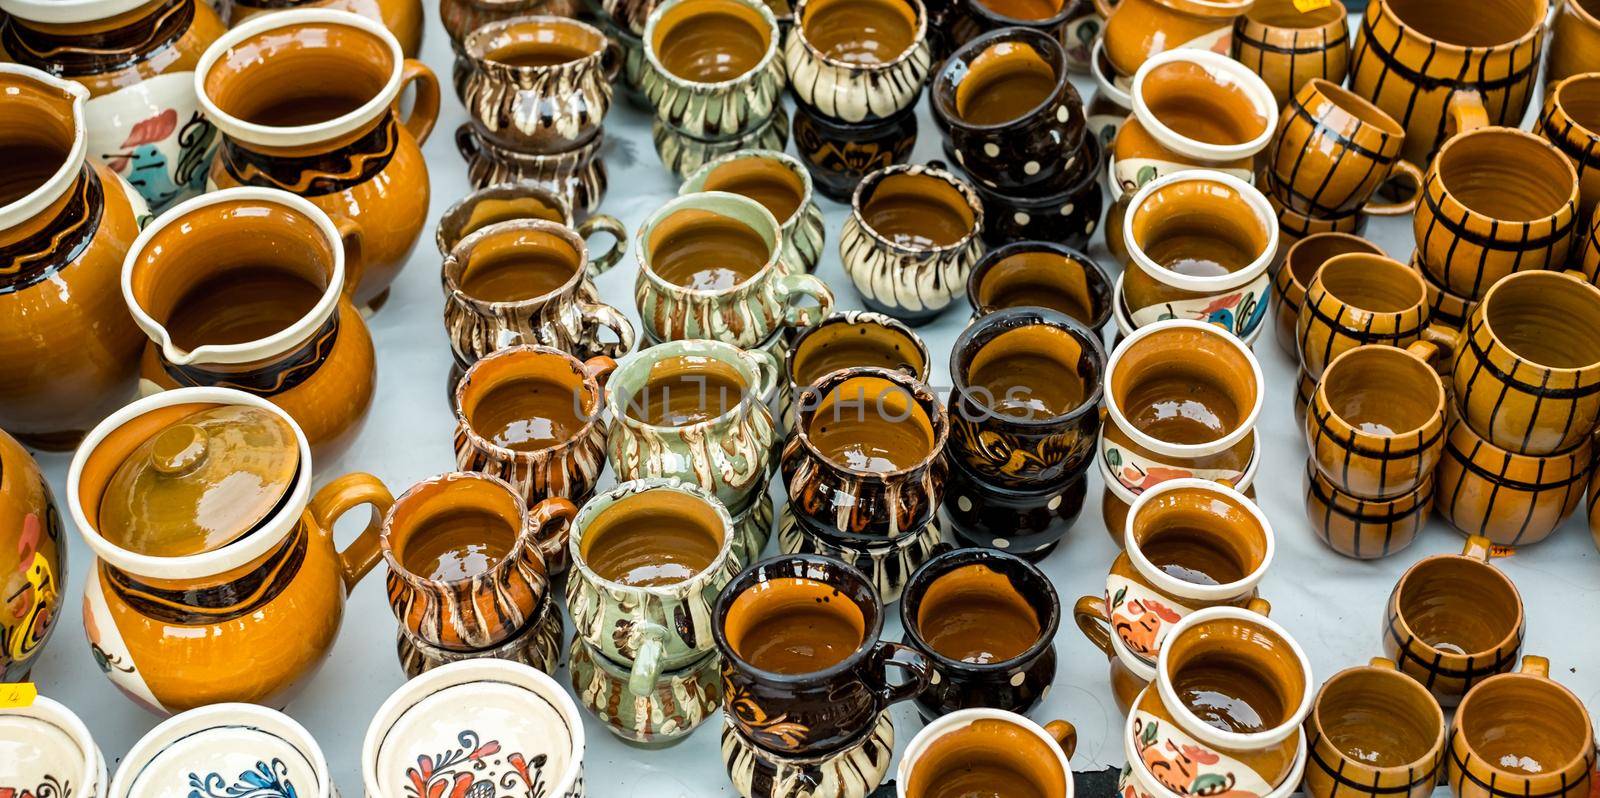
(537, 84)
(858, 60)
(714, 71)
(988, 750)
(1333, 150)
(341, 143)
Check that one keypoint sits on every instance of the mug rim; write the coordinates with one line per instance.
(919, 39)
(1207, 733)
(755, 574)
(1407, 30)
(808, 187)
(1392, 674)
(1043, 44)
(949, 561)
(1245, 426)
(704, 201)
(1578, 9)
(917, 392)
(690, 347)
(1568, 208)
(994, 257)
(856, 318)
(1338, 96)
(935, 170)
(1248, 193)
(92, 776)
(1259, 93)
(1291, 783)
(457, 259)
(477, 439)
(1322, 235)
(472, 43)
(1556, 101)
(1178, 587)
(1006, 320)
(961, 719)
(75, 162)
(1511, 640)
(607, 499)
(522, 541)
(507, 190)
(1585, 755)
(1481, 312)
(1108, 85)
(648, 37)
(222, 716)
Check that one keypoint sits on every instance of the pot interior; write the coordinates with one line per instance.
(1380, 390)
(1006, 82)
(860, 32)
(1546, 319)
(1202, 537)
(1033, 372)
(917, 210)
(1459, 606)
(532, 42)
(1235, 674)
(1309, 253)
(1506, 176)
(686, 389)
(703, 250)
(653, 538)
(36, 134)
(868, 423)
(766, 180)
(280, 77)
(1372, 283)
(1200, 105)
(1043, 278)
(836, 345)
(454, 528)
(516, 262)
(1379, 718)
(1286, 15)
(793, 625)
(1579, 99)
(502, 203)
(988, 756)
(1184, 386)
(1199, 228)
(976, 615)
(1526, 725)
(1491, 23)
(710, 41)
(527, 401)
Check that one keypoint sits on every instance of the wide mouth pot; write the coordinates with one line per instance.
(1578, 98)
(855, 419)
(1201, 231)
(262, 81)
(1042, 274)
(677, 242)
(1285, 15)
(1494, 25)
(1460, 607)
(1230, 640)
(1525, 726)
(776, 180)
(999, 79)
(1153, 359)
(1548, 319)
(502, 265)
(1380, 393)
(712, 363)
(996, 352)
(50, 740)
(447, 515)
(852, 339)
(950, 582)
(1037, 753)
(1507, 177)
(1237, 535)
(844, 44)
(652, 501)
(531, 44)
(1149, 784)
(47, 139)
(1204, 105)
(1380, 720)
(1306, 256)
(916, 209)
(541, 369)
(501, 202)
(816, 575)
(710, 44)
(170, 753)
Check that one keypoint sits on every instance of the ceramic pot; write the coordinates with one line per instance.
(225, 749)
(858, 61)
(848, 339)
(886, 561)
(53, 752)
(1294, 226)
(461, 17)
(965, 20)
(1414, 59)
(682, 154)
(527, 281)
(34, 563)
(284, 580)
(1288, 47)
(1571, 121)
(1448, 309)
(1526, 376)
(679, 703)
(1365, 528)
(817, 699)
(1300, 264)
(1159, 777)
(1027, 522)
(1377, 419)
(867, 456)
(537, 644)
(1454, 620)
(1532, 715)
(782, 185)
(1137, 30)
(244, 288)
(1495, 201)
(987, 622)
(577, 175)
(1333, 150)
(911, 239)
(1067, 216)
(525, 199)
(537, 85)
(1041, 274)
(73, 348)
(1360, 299)
(1252, 742)
(839, 155)
(529, 737)
(403, 18)
(1373, 727)
(349, 152)
(854, 771)
(717, 433)
(987, 748)
(137, 59)
(1512, 499)
(1574, 35)
(1007, 109)
(1111, 104)
(714, 69)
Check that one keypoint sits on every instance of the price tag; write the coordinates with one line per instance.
(17, 695)
(1308, 6)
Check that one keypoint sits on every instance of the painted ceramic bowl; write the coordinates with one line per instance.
(225, 751)
(49, 753)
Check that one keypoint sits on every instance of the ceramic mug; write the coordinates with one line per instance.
(1376, 422)
(53, 752)
(1041, 274)
(1374, 731)
(682, 153)
(988, 750)
(1364, 528)
(1574, 35)
(858, 60)
(225, 749)
(803, 672)
(461, 17)
(783, 186)
(710, 267)
(525, 199)
(987, 622)
(1288, 47)
(714, 69)
(1300, 264)
(1571, 121)
(1152, 774)
(1333, 150)
(839, 155)
(910, 240)
(1137, 30)
(848, 339)
(1359, 299)
(1510, 498)
(578, 175)
(855, 769)
(537, 84)
(678, 703)
(1521, 732)
(35, 556)
(1068, 215)
(1454, 620)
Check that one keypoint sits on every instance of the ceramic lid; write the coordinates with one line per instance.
(203, 482)
(225, 750)
(48, 751)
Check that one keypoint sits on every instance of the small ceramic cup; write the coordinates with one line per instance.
(578, 175)
(710, 267)
(680, 701)
(1571, 121)
(858, 60)
(1364, 528)
(1359, 299)
(525, 199)
(845, 340)
(523, 734)
(1521, 733)
(838, 155)
(1374, 732)
(1066, 215)
(1301, 261)
(911, 239)
(783, 186)
(1199, 243)
(857, 768)
(1007, 108)
(1152, 773)
(51, 752)
(537, 84)
(526, 281)
(1510, 498)
(1333, 150)
(988, 750)
(987, 622)
(1289, 47)
(804, 673)
(1041, 274)
(681, 153)
(1376, 422)
(224, 749)
(1454, 620)
(714, 67)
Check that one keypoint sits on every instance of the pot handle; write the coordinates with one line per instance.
(1065, 735)
(1406, 171)
(467, 142)
(599, 369)
(647, 661)
(792, 288)
(1105, 8)
(611, 59)
(1535, 665)
(1383, 662)
(599, 314)
(342, 495)
(549, 536)
(605, 223)
(1464, 113)
(894, 655)
(1478, 548)
(351, 238)
(1259, 606)
(769, 372)
(425, 108)
(1438, 344)
(1095, 623)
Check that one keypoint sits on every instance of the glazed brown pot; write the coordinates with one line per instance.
(1512, 499)
(845, 340)
(1288, 47)
(1041, 274)
(1376, 422)
(462, 17)
(525, 199)
(1142, 28)
(1574, 42)
(1363, 528)
(1333, 149)
(403, 18)
(578, 175)
(34, 551)
(1300, 265)
(1571, 121)
(854, 61)
(1374, 732)
(537, 85)
(1528, 719)
(839, 155)
(1359, 299)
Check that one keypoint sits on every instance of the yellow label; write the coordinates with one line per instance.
(1496, 552)
(18, 695)
(1308, 6)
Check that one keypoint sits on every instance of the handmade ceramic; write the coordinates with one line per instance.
(1374, 732)
(1137, 30)
(1376, 423)
(1413, 59)
(679, 702)
(1361, 527)
(1333, 150)
(1513, 499)
(1574, 37)
(1230, 693)
(839, 155)
(462, 17)
(1527, 372)
(1073, 22)
(231, 749)
(1523, 733)
(1571, 121)
(844, 340)
(858, 60)
(1041, 274)
(853, 771)
(1160, 777)
(525, 199)
(1454, 620)
(72, 348)
(537, 644)
(536, 84)
(867, 456)
(1067, 216)
(988, 750)
(1300, 264)
(244, 288)
(1294, 226)
(714, 69)
(886, 561)
(51, 752)
(1007, 109)
(1588, 257)
(348, 149)
(1199, 243)
(527, 281)
(695, 410)
(910, 240)
(1028, 522)
(284, 580)
(1449, 309)
(803, 671)
(1111, 104)
(782, 185)
(32, 557)
(1288, 47)
(524, 735)
(578, 175)
(710, 266)
(681, 153)
(403, 18)
(1358, 299)
(1495, 201)
(137, 60)
(987, 622)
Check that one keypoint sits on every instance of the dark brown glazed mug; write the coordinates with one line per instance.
(803, 671)
(1069, 214)
(1041, 274)
(987, 622)
(838, 154)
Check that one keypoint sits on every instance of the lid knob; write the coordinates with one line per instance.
(178, 450)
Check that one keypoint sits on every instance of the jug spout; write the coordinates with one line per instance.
(42, 131)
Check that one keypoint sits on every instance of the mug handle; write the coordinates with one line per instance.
(467, 142)
(791, 288)
(1382, 662)
(1406, 171)
(425, 108)
(1065, 735)
(351, 238)
(611, 59)
(1259, 606)
(1464, 113)
(599, 369)
(1535, 665)
(339, 497)
(894, 655)
(605, 223)
(551, 538)
(647, 661)
(1438, 343)
(599, 314)
(1095, 623)
(769, 371)
(1478, 548)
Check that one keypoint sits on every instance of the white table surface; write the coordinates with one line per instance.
(1333, 605)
